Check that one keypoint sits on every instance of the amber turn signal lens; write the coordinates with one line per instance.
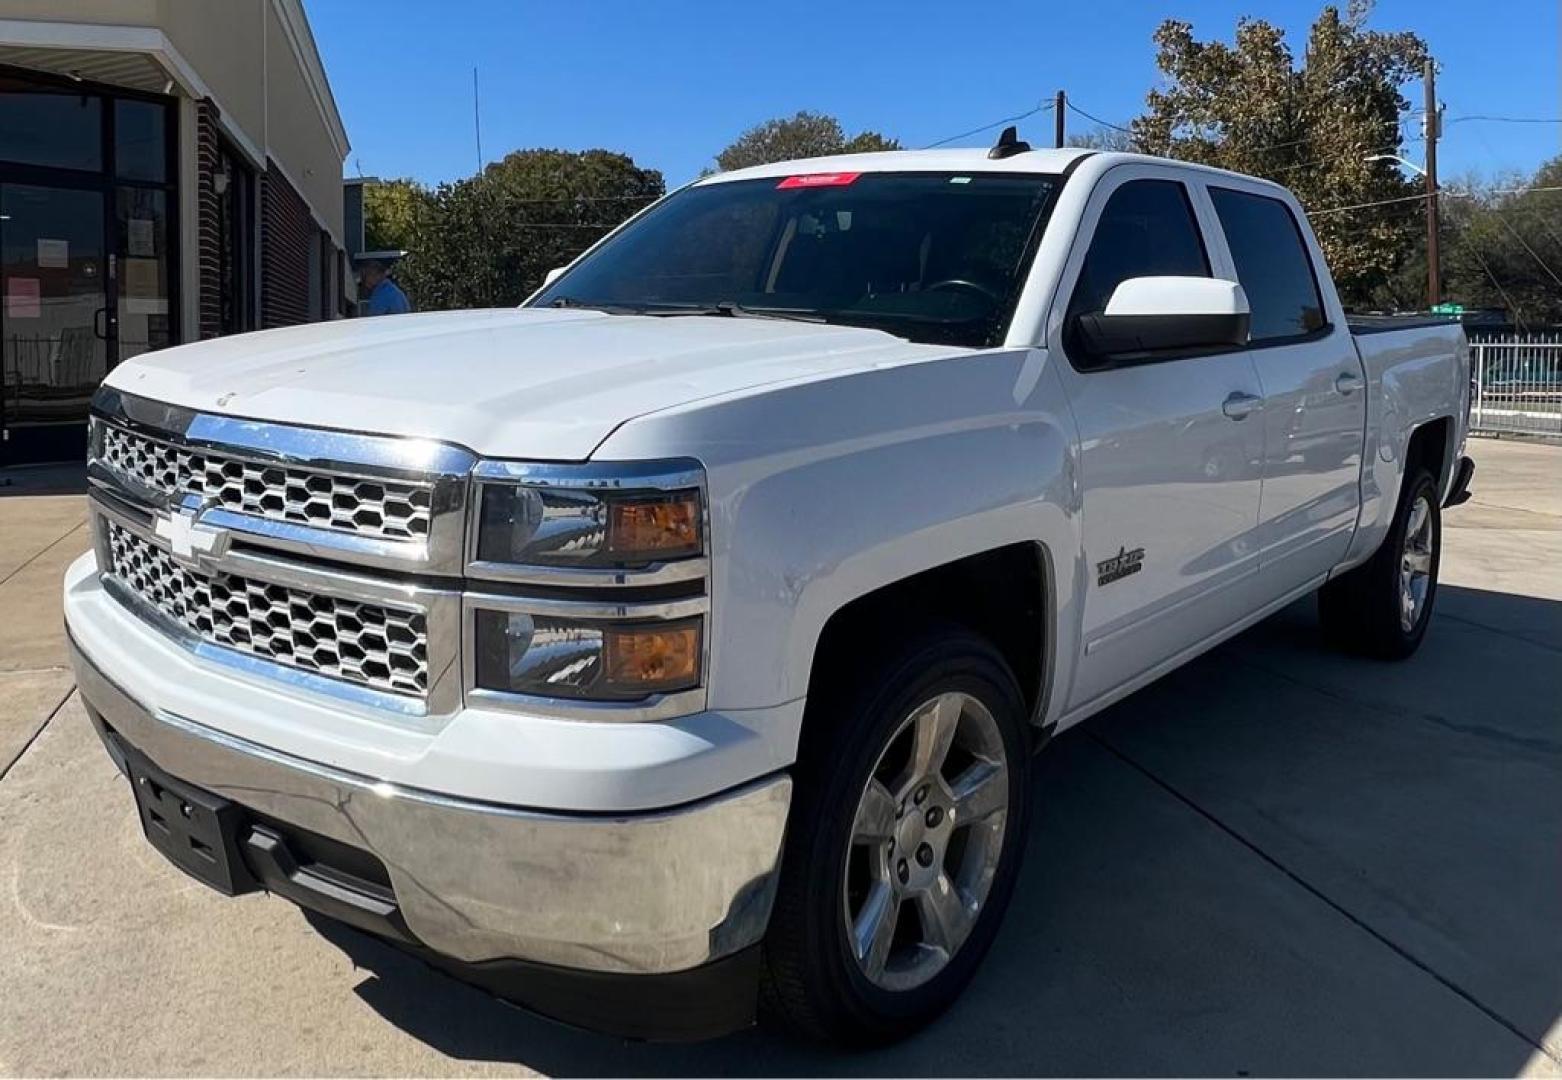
(663, 527)
(653, 657)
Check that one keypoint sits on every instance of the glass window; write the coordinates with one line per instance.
(1147, 229)
(931, 257)
(140, 144)
(143, 271)
(1272, 264)
(235, 187)
(42, 127)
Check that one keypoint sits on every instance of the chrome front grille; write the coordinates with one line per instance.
(367, 644)
(384, 509)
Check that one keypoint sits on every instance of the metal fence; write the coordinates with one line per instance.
(1518, 383)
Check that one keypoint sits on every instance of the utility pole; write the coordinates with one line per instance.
(1059, 103)
(1432, 127)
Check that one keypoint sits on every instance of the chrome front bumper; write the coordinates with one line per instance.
(644, 893)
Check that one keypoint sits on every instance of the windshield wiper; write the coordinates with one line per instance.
(734, 310)
(587, 305)
(727, 308)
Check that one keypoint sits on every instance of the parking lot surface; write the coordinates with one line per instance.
(1277, 860)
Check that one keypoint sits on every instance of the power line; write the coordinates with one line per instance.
(1096, 119)
(1340, 157)
(1507, 119)
(1363, 206)
(1395, 123)
(1451, 192)
(1518, 312)
(1069, 104)
(1508, 191)
(567, 199)
(1040, 107)
(1525, 244)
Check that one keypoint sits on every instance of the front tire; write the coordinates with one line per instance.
(909, 818)
(1382, 607)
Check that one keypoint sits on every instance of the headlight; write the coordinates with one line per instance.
(564, 517)
(554, 527)
(600, 594)
(524, 653)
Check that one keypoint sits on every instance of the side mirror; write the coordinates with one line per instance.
(1151, 316)
(552, 275)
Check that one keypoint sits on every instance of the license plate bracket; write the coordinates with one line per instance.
(194, 829)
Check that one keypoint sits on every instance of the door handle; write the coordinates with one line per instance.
(1238, 405)
(100, 323)
(1347, 382)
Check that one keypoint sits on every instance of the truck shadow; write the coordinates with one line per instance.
(1278, 860)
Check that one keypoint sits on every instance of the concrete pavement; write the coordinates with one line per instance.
(42, 528)
(1278, 860)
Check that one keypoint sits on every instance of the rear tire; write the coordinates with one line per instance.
(1382, 607)
(900, 856)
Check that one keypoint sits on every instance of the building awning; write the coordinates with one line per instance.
(134, 71)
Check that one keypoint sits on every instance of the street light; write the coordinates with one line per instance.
(1406, 162)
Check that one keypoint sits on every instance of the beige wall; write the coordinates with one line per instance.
(223, 42)
(300, 142)
(112, 12)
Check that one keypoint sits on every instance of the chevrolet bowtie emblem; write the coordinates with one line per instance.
(188, 539)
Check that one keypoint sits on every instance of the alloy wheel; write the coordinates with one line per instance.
(925, 841)
(1415, 564)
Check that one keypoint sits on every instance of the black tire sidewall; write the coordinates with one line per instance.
(1359, 609)
(1421, 483)
(829, 787)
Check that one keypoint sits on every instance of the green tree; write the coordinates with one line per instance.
(488, 240)
(1251, 107)
(1103, 138)
(805, 135)
(1502, 246)
(394, 211)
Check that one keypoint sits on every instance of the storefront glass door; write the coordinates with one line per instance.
(55, 318)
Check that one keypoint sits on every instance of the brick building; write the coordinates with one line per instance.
(170, 170)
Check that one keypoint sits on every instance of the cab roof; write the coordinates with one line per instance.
(964, 159)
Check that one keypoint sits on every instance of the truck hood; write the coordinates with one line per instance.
(518, 382)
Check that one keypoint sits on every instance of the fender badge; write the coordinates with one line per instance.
(1119, 566)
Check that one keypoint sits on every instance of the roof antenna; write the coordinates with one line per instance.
(1008, 144)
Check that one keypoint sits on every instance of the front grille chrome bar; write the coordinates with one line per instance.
(371, 500)
(386, 645)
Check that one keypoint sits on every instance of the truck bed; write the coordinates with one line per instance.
(1382, 324)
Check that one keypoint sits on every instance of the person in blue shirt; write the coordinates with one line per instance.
(381, 295)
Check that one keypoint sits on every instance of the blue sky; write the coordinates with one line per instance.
(672, 82)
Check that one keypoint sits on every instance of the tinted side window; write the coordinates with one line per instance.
(1147, 229)
(1272, 264)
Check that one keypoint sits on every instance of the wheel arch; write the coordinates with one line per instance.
(1005, 594)
(1431, 445)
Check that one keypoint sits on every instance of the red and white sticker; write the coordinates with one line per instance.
(819, 179)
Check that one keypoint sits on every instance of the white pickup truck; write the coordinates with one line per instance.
(675, 646)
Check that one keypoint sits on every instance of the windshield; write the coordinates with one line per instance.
(931, 257)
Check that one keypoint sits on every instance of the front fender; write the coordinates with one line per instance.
(826, 490)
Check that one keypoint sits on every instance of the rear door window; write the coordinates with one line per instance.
(1272, 264)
